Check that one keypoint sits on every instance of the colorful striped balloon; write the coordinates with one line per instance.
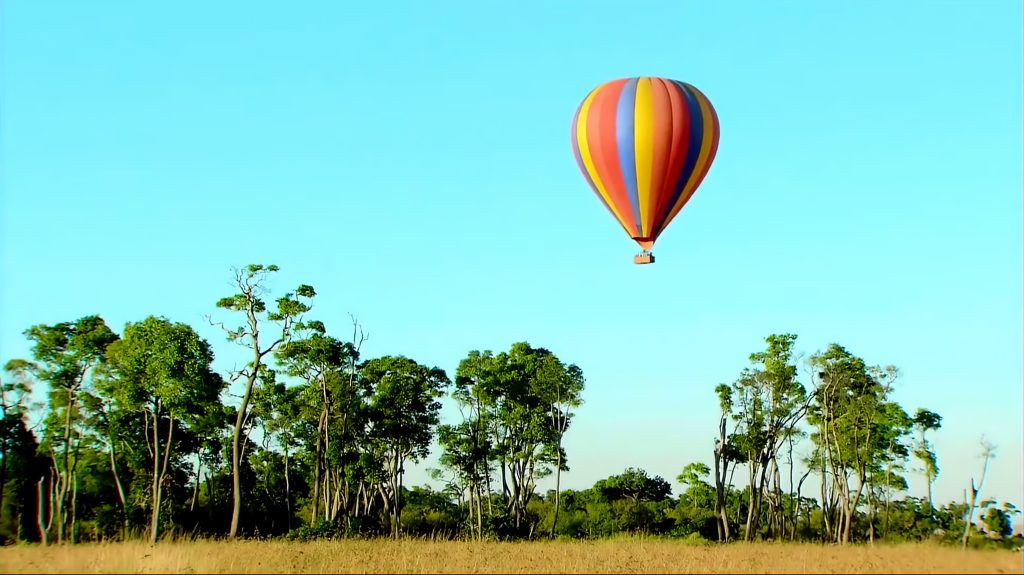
(644, 145)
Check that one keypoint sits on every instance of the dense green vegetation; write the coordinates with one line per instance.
(138, 437)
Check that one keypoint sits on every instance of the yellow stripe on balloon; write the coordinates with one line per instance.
(588, 162)
(708, 127)
(643, 150)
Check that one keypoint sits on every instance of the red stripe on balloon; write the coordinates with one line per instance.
(680, 137)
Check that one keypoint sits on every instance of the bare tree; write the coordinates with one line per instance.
(987, 453)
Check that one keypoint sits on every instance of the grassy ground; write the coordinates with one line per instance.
(410, 556)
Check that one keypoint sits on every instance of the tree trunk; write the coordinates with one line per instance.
(931, 507)
(211, 502)
(287, 487)
(64, 470)
(117, 481)
(718, 493)
(398, 498)
(315, 499)
(52, 493)
(752, 475)
(753, 513)
(74, 508)
(3, 473)
(792, 491)
(826, 526)
(969, 514)
(721, 468)
(558, 484)
(154, 517)
(158, 487)
(479, 514)
(796, 504)
(199, 479)
(872, 513)
(40, 518)
(852, 506)
(738, 499)
(236, 483)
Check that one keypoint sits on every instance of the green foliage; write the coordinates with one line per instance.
(139, 436)
(320, 530)
(633, 484)
(997, 522)
(404, 403)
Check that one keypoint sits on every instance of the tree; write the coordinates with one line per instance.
(999, 521)
(696, 509)
(987, 454)
(636, 485)
(726, 453)
(771, 403)
(250, 302)
(404, 410)
(163, 371)
(693, 474)
(17, 446)
(65, 355)
(633, 496)
(857, 428)
(524, 439)
(561, 387)
(467, 447)
(113, 427)
(280, 409)
(331, 398)
(925, 421)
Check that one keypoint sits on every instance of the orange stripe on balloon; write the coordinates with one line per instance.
(581, 142)
(604, 149)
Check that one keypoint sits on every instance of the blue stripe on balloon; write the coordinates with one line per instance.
(624, 127)
(692, 147)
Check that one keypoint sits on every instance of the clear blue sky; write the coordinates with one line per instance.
(412, 162)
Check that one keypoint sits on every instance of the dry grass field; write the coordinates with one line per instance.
(412, 556)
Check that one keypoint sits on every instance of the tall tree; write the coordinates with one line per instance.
(17, 446)
(857, 424)
(468, 447)
(561, 388)
(988, 452)
(251, 303)
(404, 411)
(523, 437)
(65, 356)
(162, 370)
(14, 392)
(726, 453)
(332, 410)
(925, 421)
(771, 402)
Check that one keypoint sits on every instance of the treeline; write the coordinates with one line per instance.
(139, 437)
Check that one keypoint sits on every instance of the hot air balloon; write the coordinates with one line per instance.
(644, 144)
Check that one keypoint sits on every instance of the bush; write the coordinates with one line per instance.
(320, 530)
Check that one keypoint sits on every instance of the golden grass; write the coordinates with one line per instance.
(635, 555)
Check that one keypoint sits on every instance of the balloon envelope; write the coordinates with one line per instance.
(644, 144)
